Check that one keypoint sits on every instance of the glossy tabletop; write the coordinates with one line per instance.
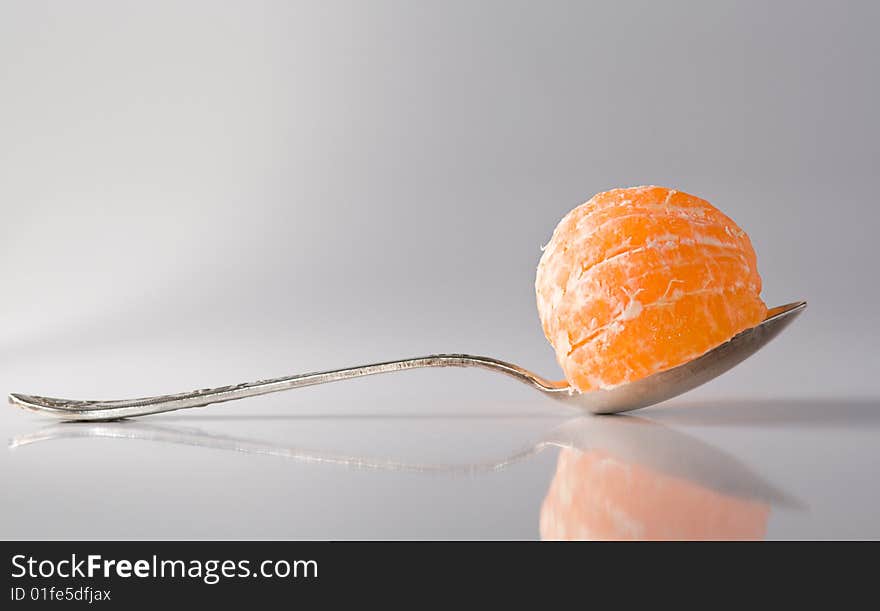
(382, 458)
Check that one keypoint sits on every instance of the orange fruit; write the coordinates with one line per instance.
(594, 495)
(640, 280)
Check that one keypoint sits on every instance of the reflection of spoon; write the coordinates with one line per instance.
(641, 441)
(641, 393)
(190, 436)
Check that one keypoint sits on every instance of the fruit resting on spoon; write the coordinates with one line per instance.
(640, 280)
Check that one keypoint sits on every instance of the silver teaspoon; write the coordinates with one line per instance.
(641, 393)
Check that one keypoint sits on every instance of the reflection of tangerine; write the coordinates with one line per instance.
(640, 280)
(595, 496)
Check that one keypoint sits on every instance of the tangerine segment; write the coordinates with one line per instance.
(595, 495)
(640, 280)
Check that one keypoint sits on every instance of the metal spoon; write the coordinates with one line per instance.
(641, 393)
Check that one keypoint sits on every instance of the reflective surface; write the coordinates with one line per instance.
(519, 469)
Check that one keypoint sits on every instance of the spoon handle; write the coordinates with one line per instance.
(108, 410)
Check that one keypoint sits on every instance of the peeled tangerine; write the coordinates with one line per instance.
(640, 280)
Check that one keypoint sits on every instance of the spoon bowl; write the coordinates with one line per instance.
(678, 380)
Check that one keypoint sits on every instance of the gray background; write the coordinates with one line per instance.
(201, 193)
